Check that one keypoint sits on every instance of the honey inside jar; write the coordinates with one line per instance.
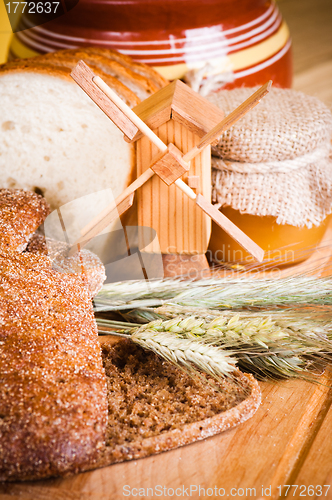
(283, 244)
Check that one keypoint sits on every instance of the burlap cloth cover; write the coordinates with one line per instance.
(275, 161)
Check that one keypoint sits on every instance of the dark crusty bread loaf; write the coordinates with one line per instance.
(154, 406)
(57, 415)
(53, 399)
(37, 244)
(21, 213)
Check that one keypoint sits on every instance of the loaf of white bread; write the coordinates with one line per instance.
(53, 139)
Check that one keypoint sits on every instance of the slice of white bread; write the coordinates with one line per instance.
(53, 138)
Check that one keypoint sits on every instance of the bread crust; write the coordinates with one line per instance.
(190, 434)
(53, 408)
(140, 68)
(242, 399)
(116, 69)
(108, 65)
(52, 67)
(34, 65)
(85, 264)
(21, 213)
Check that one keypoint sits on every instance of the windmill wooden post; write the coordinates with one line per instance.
(179, 116)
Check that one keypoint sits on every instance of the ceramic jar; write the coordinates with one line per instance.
(228, 42)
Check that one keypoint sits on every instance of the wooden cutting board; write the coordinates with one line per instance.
(287, 442)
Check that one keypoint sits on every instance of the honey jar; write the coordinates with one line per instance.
(272, 176)
(283, 244)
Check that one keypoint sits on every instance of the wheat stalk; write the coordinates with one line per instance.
(309, 321)
(221, 293)
(136, 293)
(270, 344)
(141, 315)
(185, 353)
(271, 341)
(189, 355)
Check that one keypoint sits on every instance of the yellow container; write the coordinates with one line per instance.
(5, 33)
(283, 244)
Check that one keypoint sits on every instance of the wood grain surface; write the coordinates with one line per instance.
(181, 226)
(266, 451)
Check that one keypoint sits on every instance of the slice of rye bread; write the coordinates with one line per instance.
(154, 406)
(53, 395)
(55, 139)
(21, 213)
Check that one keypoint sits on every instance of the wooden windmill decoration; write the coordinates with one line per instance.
(173, 130)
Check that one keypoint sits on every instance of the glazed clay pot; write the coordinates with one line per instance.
(230, 42)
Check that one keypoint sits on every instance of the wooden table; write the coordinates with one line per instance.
(289, 440)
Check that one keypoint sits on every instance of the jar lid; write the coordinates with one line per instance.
(285, 125)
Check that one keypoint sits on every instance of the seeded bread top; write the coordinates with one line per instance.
(53, 403)
(21, 213)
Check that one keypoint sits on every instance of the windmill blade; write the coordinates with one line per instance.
(84, 77)
(114, 211)
(122, 203)
(227, 225)
(125, 201)
(101, 93)
(119, 206)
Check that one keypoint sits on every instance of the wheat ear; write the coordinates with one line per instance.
(185, 353)
(192, 356)
(266, 344)
(221, 293)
